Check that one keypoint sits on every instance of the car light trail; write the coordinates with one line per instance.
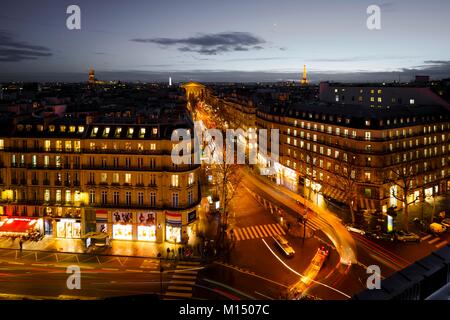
(304, 277)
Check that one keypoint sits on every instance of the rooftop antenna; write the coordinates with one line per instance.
(170, 81)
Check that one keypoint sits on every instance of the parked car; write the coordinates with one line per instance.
(437, 228)
(407, 237)
(356, 230)
(446, 222)
(283, 245)
(381, 236)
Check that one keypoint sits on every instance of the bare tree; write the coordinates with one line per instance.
(403, 179)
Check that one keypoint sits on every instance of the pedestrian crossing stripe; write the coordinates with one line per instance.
(258, 231)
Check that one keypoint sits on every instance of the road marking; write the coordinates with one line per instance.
(237, 234)
(186, 271)
(110, 269)
(176, 276)
(434, 240)
(13, 262)
(179, 288)
(39, 264)
(131, 270)
(268, 230)
(441, 244)
(245, 233)
(263, 231)
(426, 237)
(280, 228)
(275, 231)
(179, 294)
(250, 232)
(182, 282)
(257, 231)
(180, 266)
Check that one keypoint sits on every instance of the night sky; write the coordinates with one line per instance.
(209, 40)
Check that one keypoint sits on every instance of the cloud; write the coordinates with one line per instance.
(210, 44)
(12, 50)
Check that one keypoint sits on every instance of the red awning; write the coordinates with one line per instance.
(17, 226)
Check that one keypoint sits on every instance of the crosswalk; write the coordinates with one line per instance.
(182, 280)
(257, 231)
(433, 240)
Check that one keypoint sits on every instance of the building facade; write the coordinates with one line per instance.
(112, 175)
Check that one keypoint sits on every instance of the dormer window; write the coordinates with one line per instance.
(40, 127)
(118, 131)
(72, 129)
(28, 127)
(94, 132)
(155, 131)
(51, 128)
(142, 133)
(130, 132)
(63, 128)
(80, 129)
(20, 127)
(106, 132)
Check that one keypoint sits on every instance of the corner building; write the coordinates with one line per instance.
(110, 174)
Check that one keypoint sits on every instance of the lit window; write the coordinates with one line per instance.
(127, 177)
(191, 178)
(174, 180)
(106, 132)
(94, 132)
(72, 129)
(411, 101)
(51, 128)
(152, 146)
(2, 144)
(68, 196)
(118, 131)
(142, 133)
(103, 177)
(47, 195)
(80, 129)
(155, 131)
(58, 195)
(63, 128)
(130, 132)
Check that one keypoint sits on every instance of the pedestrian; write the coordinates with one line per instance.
(168, 252)
(173, 253)
(20, 244)
(182, 251)
(179, 251)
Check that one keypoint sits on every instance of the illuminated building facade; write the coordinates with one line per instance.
(111, 174)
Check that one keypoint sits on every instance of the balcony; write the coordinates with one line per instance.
(34, 182)
(58, 183)
(46, 182)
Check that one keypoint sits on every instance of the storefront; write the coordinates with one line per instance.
(146, 230)
(68, 228)
(173, 227)
(20, 226)
(122, 228)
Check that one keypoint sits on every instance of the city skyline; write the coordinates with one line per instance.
(208, 42)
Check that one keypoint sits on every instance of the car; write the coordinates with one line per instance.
(437, 228)
(283, 245)
(381, 236)
(446, 222)
(407, 236)
(356, 230)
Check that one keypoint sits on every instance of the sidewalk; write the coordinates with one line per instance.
(204, 231)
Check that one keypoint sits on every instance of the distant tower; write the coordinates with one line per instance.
(304, 81)
(170, 81)
(91, 76)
